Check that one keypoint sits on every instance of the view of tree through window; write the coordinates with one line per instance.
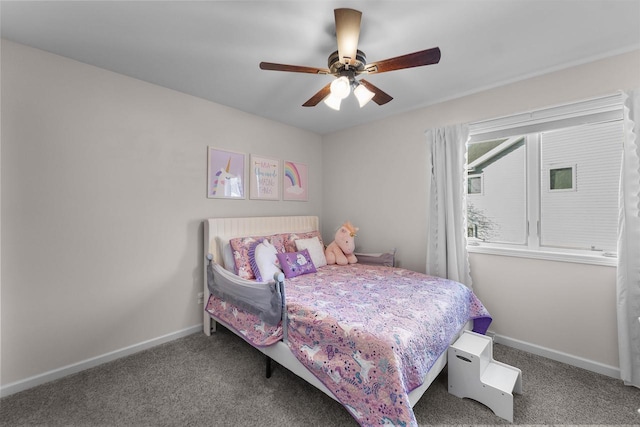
(498, 214)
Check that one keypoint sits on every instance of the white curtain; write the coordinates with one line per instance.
(628, 274)
(446, 198)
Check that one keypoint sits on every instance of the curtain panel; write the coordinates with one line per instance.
(628, 272)
(447, 254)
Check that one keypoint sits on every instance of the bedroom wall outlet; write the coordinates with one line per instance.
(201, 298)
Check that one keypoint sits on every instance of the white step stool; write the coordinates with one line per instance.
(474, 374)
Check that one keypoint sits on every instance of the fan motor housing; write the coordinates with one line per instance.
(336, 67)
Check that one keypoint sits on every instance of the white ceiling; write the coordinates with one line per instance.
(211, 49)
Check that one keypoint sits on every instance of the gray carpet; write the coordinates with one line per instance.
(220, 381)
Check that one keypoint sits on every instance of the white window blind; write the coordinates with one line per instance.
(589, 111)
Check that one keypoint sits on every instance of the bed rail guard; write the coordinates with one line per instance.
(387, 259)
(268, 302)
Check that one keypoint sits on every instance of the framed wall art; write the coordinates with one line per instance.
(225, 174)
(264, 178)
(295, 181)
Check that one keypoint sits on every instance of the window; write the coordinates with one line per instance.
(562, 178)
(552, 190)
(474, 184)
(498, 214)
(582, 211)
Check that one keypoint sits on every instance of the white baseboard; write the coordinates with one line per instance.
(55, 374)
(569, 359)
(64, 371)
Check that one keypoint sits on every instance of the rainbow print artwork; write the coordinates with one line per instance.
(295, 176)
(291, 172)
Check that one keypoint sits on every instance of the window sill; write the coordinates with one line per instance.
(580, 257)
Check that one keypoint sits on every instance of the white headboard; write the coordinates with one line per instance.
(220, 230)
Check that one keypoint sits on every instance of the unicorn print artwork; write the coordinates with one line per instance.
(226, 184)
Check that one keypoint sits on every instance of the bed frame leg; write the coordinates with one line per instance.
(268, 371)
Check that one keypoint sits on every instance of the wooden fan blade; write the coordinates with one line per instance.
(319, 96)
(380, 96)
(292, 68)
(416, 59)
(347, 33)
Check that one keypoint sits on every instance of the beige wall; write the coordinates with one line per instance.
(375, 175)
(566, 307)
(103, 195)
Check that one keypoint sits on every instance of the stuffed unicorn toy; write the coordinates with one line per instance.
(340, 251)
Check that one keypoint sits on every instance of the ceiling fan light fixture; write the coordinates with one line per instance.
(340, 87)
(363, 94)
(333, 102)
(348, 62)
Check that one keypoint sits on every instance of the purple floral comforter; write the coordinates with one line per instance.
(369, 333)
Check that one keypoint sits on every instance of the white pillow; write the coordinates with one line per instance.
(226, 254)
(228, 262)
(315, 248)
(264, 261)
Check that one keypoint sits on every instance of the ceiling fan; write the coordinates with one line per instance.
(348, 62)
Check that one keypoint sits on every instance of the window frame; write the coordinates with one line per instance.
(531, 125)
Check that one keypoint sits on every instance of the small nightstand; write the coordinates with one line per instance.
(474, 374)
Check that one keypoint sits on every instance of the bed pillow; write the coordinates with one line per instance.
(227, 255)
(296, 263)
(241, 246)
(263, 260)
(315, 248)
(289, 239)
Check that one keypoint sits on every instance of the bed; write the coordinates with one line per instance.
(371, 337)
